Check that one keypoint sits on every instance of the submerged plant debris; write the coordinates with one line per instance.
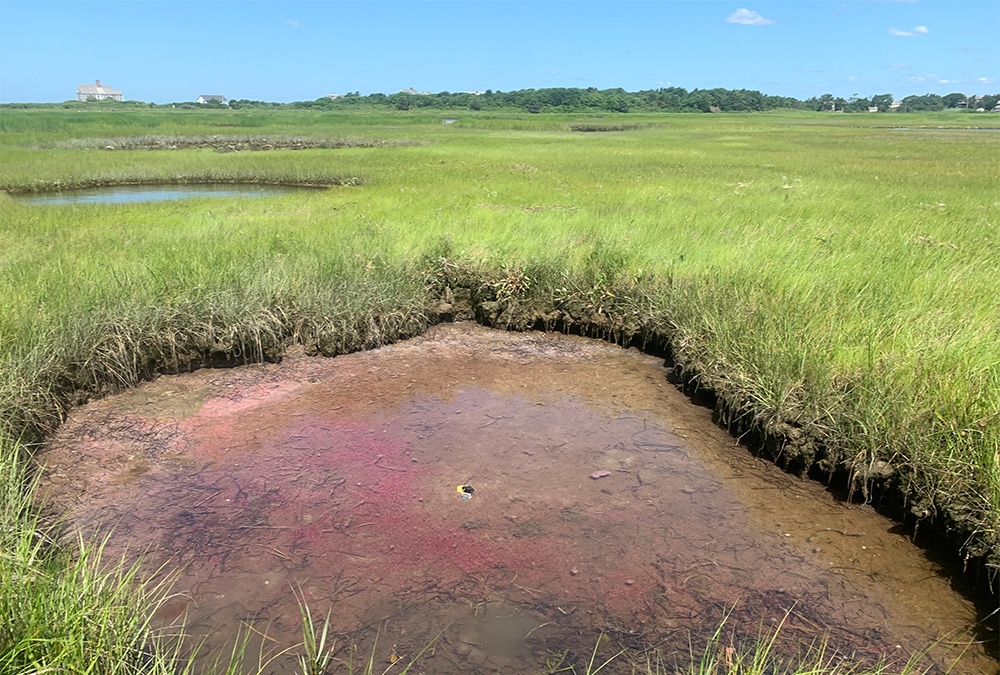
(338, 477)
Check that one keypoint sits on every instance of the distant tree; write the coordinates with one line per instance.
(823, 103)
(698, 99)
(953, 99)
(401, 101)
(927, 102)
(855, 104)
(882, 101)
(533, 104)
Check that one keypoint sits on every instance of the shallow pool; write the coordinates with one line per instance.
(126, 194)
(600, 501)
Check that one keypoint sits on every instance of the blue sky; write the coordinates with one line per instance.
(167, 51)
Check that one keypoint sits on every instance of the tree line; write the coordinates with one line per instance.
(884, 103)
(576, 100)
(668, 99)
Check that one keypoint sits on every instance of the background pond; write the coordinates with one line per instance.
(126, 194)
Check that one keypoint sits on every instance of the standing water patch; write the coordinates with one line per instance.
(128, 194)
(519, 494)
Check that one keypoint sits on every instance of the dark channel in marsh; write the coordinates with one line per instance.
(602, 501)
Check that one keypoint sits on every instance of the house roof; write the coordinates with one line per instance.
(213, 97)
(97, 90)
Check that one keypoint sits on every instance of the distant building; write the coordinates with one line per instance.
(97, 92)
(895, 104)
(414, 92)
(873, 108)
(212, 98)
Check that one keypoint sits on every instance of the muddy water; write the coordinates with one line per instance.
(603, 501)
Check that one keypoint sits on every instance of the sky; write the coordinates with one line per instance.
(166, 51)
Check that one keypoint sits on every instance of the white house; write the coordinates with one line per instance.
(212, 98)
(85, 92)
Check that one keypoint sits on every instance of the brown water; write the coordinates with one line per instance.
(340, 477)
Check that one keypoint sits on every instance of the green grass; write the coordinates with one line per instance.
(833, 280)
(759, 657)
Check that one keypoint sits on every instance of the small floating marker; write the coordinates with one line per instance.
(600, 474)
(465, 491)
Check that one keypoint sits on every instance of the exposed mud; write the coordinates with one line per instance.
(603, 501)
(607, 127)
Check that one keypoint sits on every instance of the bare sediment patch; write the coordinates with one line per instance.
(592, 127)
(228, 143)
(523, 492)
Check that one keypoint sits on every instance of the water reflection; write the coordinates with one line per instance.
(127, 194)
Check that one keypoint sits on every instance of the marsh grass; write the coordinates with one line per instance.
(833, 282)
(65, 607)
(761, 655)
(316, 656)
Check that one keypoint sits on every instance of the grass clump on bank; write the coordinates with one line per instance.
(834, 283)
(61, 608)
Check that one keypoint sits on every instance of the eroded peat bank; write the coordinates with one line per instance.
(601, 501)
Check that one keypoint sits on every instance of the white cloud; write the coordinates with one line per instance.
(292, 22)
(919, 30)
(746, 17)
(897, 66)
